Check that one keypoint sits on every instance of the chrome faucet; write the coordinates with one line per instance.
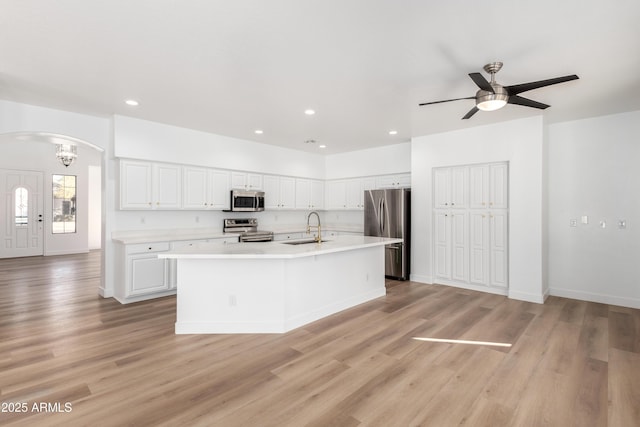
(318, 227)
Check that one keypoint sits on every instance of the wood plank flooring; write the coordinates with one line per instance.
(87, 361)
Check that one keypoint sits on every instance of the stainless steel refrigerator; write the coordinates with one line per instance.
(387, 213)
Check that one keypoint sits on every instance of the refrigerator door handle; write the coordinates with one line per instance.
(380, 216)
(383, 216)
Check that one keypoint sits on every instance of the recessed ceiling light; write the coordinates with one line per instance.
(393, 132)
(132, 102)
(258, 132)
(322, 146)
(309, 112)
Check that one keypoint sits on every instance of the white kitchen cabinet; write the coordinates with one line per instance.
(279, 192)
(142, 274)
(394, 181)
(470, 223)
(489, 187)
(335, 194)
(146, 185)
(309, 194)
(246, 181)
(347, 194)
(488, 246)
(205, 189)
(451, 187)
(451, 234)
(355, 191)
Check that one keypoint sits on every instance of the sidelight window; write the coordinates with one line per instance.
(64, 204)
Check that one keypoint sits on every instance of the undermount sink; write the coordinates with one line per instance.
(303, 242)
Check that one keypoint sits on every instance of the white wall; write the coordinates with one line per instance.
(520, 142)
(140, 139)
(390, 159)
(594, 171)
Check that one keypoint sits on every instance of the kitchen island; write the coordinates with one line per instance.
(274, 287)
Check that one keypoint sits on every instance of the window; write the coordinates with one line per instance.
(64, 204)
(22, 206)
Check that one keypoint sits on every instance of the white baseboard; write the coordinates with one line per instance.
(421, 279)
(593, 297)
(67, 252)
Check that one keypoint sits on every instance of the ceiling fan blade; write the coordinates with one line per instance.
(481, 82)
(518, 100)
(470, 113)
(446, 100)
(516, 89)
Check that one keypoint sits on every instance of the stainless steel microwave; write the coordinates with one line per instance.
(247, 201)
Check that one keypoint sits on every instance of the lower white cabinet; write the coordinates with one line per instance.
(142, 274)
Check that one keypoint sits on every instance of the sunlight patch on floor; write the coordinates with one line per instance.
(449, 341)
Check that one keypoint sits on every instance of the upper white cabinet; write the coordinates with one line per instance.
(348, 193)
(205, 188)
(394, 181)
(451, 187)
(279, 192)
(246, 181)
(309, 194)
(145, 185)
(489, 186)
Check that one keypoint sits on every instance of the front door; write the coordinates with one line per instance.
(22, 224)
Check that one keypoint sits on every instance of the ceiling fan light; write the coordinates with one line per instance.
(487, 101)
(491, 104)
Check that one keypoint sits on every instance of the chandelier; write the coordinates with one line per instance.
(66, 153)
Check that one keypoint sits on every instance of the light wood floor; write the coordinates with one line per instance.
(571, 363)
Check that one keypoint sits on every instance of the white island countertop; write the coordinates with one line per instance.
(276, 250)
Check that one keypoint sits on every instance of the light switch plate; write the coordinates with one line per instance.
(584, 219)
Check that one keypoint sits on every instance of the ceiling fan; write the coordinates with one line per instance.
(493, 96)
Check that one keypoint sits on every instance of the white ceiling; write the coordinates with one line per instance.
(230, 67)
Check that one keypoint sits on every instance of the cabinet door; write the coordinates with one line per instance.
(135, 185)
(498, 190)
(195, 189)
(442, 245)
(459, 246)
(167, 186)
(287, 193)
(479, 248)
(271, 192)
(220, 189)
(148, 274)
(317, 194)
(459, 187)
(441, 187)
(498, 249)
(479, 187)
(303, 193)
(336, 194)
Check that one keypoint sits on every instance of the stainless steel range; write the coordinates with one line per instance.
(247, 228)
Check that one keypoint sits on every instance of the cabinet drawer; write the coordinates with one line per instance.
(147, 247)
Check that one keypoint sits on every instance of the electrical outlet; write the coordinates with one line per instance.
(622, 224)
(603, 224)
(232, 301)
(573, 222)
